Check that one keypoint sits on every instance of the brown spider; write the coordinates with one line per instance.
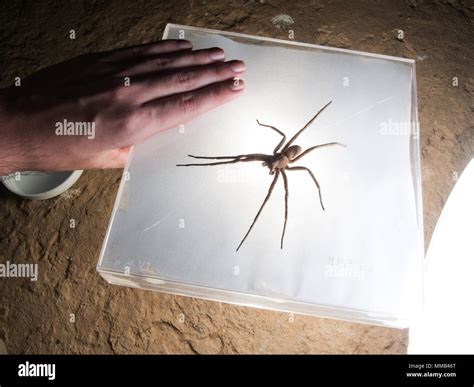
(277, 163)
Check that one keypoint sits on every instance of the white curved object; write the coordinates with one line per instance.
(447, 323)
(41, 185)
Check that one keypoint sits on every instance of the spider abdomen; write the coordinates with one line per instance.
(293, 151)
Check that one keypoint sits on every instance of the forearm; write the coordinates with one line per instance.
(27, 135)
(13, 144)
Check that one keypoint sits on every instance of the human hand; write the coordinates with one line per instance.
(168, 85)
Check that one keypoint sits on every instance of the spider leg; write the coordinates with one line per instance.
(247, 156)
(236, 159)
(315, 147)
(208, 164)
(270, 190)
(314, 179)
(215, 157)
(280, 144)
(285, 182)
(304, 127)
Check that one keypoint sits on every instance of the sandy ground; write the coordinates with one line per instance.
(35, 317)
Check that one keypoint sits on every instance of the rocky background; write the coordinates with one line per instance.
(71, 309)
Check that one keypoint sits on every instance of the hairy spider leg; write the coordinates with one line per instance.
(208, 164)
(236, 159)
(285, 183)
(314, 179)
(219, 157)
(280, 144)
(270, 190)
(315, 147)
(304, 127)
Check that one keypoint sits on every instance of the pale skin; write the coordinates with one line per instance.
(170, 84)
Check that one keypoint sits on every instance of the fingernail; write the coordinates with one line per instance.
(217, 54)
(237, 66)
(185, 44)
(237, 84)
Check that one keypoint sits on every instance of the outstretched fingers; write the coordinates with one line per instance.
(152, 86)
(143, 50)
(314, 179)
(270, 190)
(172, 61)
(172, 111)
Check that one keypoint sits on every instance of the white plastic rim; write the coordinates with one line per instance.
(41, 185)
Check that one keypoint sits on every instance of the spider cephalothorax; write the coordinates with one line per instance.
(277, 163)
(280, 160)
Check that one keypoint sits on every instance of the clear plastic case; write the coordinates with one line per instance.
(176, 229)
